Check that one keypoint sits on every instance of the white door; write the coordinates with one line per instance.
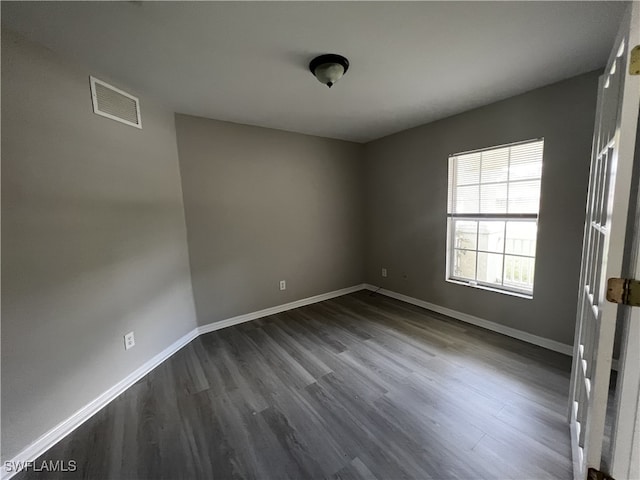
(606, 229)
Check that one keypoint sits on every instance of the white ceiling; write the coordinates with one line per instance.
(247, 62)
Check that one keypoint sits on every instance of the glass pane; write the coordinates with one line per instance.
(524, 197)
(466, 199)
(464, 264)
(465, 234)
(521, 238)
(518, 272)
(467, 169)
(495, 165)
(490, 268)
(493, 198)
(491, 236)
(526, 161)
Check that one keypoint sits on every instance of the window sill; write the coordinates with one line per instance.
(489, 289)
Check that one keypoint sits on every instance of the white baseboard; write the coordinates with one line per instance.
(64, 428)
(60, 431)
(480, 322)
(247, 317)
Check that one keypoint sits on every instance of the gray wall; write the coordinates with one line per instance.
(407, 204)
(93, 242)
(265, 205)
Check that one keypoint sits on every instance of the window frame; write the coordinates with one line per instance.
(479, 217)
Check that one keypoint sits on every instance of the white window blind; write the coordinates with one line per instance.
(494, 197)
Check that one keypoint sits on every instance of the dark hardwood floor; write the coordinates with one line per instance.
(362, 386)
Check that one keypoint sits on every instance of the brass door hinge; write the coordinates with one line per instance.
(624, 291)
(634, 61)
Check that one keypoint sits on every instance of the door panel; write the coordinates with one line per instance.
(604, 237)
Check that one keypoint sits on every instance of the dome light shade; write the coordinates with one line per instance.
(328, 69)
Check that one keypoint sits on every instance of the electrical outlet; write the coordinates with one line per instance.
(384, 272)
(129, 341)
(283, 284)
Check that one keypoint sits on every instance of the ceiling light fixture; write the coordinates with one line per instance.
(330, 68)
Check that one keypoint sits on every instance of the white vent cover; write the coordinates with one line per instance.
(113, 103)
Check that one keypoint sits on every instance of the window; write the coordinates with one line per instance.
(494, 197)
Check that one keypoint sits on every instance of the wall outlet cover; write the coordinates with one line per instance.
(129, 341)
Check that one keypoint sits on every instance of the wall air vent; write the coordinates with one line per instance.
(113, 103)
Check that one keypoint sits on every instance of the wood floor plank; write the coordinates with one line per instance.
(356, 470)
(357, 387)
(310, 362)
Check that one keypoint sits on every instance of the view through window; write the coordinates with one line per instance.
(494, 197)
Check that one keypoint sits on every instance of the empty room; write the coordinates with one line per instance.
(320, 240)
